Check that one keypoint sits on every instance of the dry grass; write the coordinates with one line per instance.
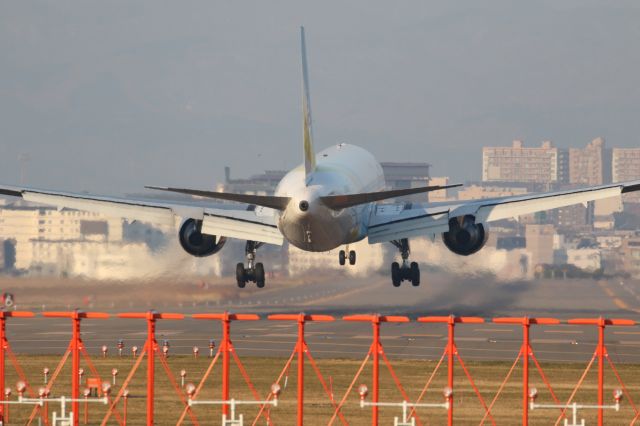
(339, 372)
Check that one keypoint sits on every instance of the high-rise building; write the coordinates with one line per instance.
(625, 165)
(517, 163)
(590, 165)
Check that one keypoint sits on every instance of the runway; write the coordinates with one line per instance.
(440, 294)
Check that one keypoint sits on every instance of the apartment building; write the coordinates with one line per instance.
(518, 163)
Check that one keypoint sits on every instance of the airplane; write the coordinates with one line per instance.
(329, 201)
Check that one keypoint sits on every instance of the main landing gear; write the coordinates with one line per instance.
(342, 257)
(408, 271)
(254, 271)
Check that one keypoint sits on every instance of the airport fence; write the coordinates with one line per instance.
(255, 404)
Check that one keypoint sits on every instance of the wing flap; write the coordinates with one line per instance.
(243, 225)
(410, 223)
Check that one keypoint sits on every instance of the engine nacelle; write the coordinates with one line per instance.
(465, 237)
(194, 242)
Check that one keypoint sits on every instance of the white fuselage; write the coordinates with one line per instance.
(341, 169)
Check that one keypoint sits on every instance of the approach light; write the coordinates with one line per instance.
(276, 389)
(617, 395)
(21, 387)
(447, 392)
(533, 394)
(190, 389)
(363, 390)
(106, 388)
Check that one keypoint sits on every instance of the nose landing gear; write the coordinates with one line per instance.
(407, 271)
(254, 271)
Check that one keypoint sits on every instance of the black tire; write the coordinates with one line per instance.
(352, 257)
(396, 279)
(259, 273)
(240, 275)
(342, 257)
(415, 274)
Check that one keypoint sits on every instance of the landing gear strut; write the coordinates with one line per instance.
(254, 271)
(407, 271)
(342, 257)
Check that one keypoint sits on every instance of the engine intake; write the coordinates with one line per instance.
(194, 242)
(465, 236)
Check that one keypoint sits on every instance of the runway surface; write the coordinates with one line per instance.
(440, 294)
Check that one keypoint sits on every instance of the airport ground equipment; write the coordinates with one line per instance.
(407, 418)
(301, 349)
(525, 354)
(376, 350)
(451, 353)
(76, 350)
(617, 396)
(232, 420)
(41, 399)
(64, 418)
(151, 351)
(601, 354)
(5, 349)
(226, 350)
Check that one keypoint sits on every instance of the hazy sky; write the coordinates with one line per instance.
(108, 96)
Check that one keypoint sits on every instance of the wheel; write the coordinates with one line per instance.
(395, 274)
(415, 274)
(240, 275)
(352, 257)
(259, 273)
(342, 257)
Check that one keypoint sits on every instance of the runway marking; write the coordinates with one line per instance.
(627, 332)
(564, 331)
(292, 335)
(616, 300)
(470, 339)
(551, 342)
(422, 335)
(494, 330)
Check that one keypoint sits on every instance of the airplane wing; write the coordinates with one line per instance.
(395, 221)
(255, 224)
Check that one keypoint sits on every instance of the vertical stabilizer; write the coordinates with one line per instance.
(307, 132)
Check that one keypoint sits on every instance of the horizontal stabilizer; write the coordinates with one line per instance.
(273, 202)
(338, 202)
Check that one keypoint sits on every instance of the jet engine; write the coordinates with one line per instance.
(194, 242)
(465, 236)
